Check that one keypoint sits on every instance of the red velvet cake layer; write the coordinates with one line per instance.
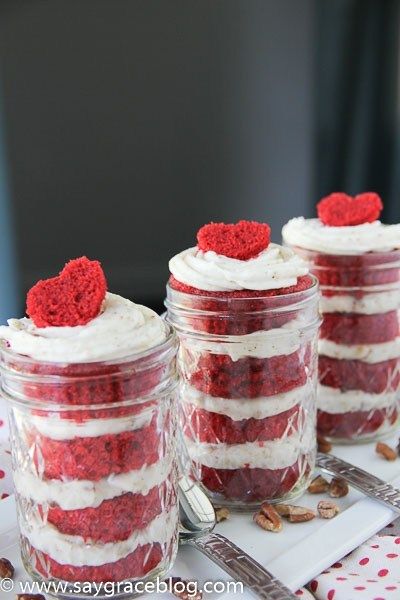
(96, 457)
(137, 564)
(92, 383)
(204, 426)
(370, 269)
(218, 375)
(240, 320)
(115, 519)
(250, 485)
(360, 329)
(353, 424)
(374, 378)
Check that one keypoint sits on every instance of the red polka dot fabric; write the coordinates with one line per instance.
(372, 572)
(304, 594)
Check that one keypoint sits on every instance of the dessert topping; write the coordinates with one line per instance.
(242, 240)
(339, 209)
(122, 329)
(73, 298)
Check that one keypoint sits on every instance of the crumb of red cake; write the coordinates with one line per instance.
(242, 240)
(303, 283)
(72, 298)
(340, 209)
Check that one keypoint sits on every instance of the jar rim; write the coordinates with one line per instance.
(395, 252)
(283, 302)
(170, 341)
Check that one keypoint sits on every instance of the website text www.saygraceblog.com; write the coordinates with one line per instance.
(110, 589)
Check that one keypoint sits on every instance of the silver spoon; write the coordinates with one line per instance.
(197, 521)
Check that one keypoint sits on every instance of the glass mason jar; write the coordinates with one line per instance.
(359, 347)
(94, 460)
(248, 371)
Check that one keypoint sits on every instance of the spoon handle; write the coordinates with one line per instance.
(365, 482)
(241, 566)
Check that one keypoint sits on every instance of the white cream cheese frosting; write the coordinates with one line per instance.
(275, 267)
(272, 454)
(368, 353)
(336, 401)
(280, 341)
(76, 551)
(366, 304)
(76, 494)
(246, 408)
(312, 234)
(123, 328)
(60, 429)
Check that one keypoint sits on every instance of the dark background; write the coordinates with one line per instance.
(127, 124)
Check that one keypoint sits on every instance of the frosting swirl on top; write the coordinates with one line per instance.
(312, 234)
(275, 267)
(121, 329)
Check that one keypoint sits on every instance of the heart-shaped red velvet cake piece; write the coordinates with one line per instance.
(72, 298)
(339, 209)
(242, 240)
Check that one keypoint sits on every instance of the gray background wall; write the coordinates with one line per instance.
(131, 123)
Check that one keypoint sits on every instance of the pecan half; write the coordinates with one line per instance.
(183, 589)
(338, 488)
(6, 569)
(385, 451)
(319, 485)
(222, 514)
(267, 518)
(327, 509)
(295, 514)
(323, 444)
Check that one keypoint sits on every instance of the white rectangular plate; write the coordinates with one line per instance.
(296, 555)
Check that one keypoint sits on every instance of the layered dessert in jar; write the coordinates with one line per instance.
(246, 313)
(356, 258)
(90, 382)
